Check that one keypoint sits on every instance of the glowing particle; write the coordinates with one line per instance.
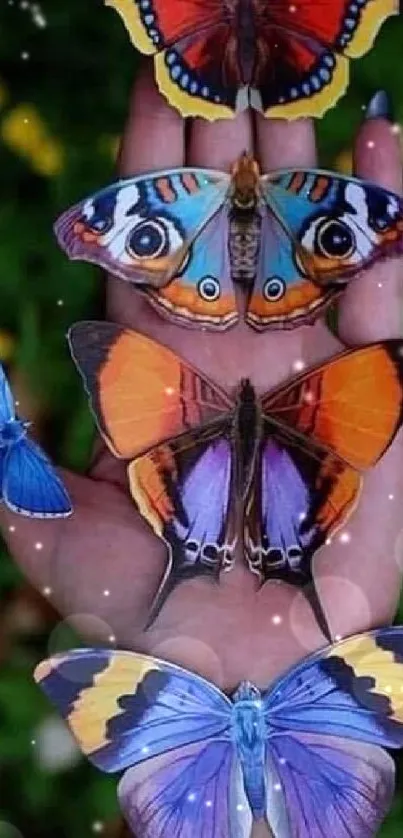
(345, 538)
(240, 807)
(380, 285)
(370, 144)
(25, 56)
(39, 545)
(145, 749)
(60, 302)
(388, 689)
(97, 826)
(191, 797)
(106, 592)
(169, 391)
(11, 528)
(308, 397)
(33, 741)
(276, 619)
(328, 542)
(298, 365)
(209, 803)
(112, 638)
(337, 637)
(47, 591)
(277, 786)
(396, 128)
(391, 497)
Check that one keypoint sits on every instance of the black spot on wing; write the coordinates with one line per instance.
(360, 687)
(137, 704)
(71, 677)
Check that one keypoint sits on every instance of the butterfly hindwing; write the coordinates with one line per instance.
(141, 393)
(214, 59)
(167, 234)
(183, 489)
(30, 483)
(196, 790)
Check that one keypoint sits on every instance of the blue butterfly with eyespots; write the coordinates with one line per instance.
(305, 755)
(29, 483)
(291, 240)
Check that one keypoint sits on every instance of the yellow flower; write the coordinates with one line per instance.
(48, 159)
(7, 346)
(24, 131)
(344, 162)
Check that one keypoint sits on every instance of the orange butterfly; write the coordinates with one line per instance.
(278, 473)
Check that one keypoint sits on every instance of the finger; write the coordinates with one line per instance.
(153, 139)
(100, 561)
(217, 145)
(370, 309)
(281, 144)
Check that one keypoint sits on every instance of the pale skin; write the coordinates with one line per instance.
(235, 630)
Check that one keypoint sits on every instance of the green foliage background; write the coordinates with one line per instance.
(77, 77)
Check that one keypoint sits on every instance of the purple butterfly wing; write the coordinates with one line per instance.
(194, 791)
(193, 476)
(326, 786)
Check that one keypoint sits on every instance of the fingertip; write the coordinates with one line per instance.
(217, 145)
(283, 144)
(377, 154)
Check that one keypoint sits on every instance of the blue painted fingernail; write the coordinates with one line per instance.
(380, 107)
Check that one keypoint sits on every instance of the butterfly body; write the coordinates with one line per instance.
(291, 239)
(13, 432)
(249, 735)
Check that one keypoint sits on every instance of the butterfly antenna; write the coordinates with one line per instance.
(314, 601)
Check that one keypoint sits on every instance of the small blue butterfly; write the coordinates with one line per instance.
(305, 755)
(29, 483)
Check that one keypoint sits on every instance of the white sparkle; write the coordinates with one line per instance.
(16, 403)
(282, 760)
(106, 592)
(328, 541)
(391, 497)
(388, 688)
(26, 121)
(47, 591)
(277, 786)
(276, 619)
(308, 397)
(240, 807)
(60, 302)
(337, 637)
(298, 365)
(191, 797)
(209, 803)
(112, 638)
(370, 144)
(345, 538)
(11, 528)
(39, 545)
(396, 128)
(169, 391)
(292, 9)
(33, 741)
(38, 16)
(25, 56)
(145, 749)
(301, 516)
(97, 826)
(380, 285)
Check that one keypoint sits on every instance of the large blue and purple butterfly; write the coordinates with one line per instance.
(292, 240)
(29, 483)
(273, 474)
(217, 57)
(305, 755)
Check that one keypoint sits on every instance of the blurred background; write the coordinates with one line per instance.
(66, 67)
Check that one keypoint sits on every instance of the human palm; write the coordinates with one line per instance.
(105, 561)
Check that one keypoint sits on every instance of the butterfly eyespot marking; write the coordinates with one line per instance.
(334, 239)
(209, 289)
(149, 239)
(274, 289)
(98, 225)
